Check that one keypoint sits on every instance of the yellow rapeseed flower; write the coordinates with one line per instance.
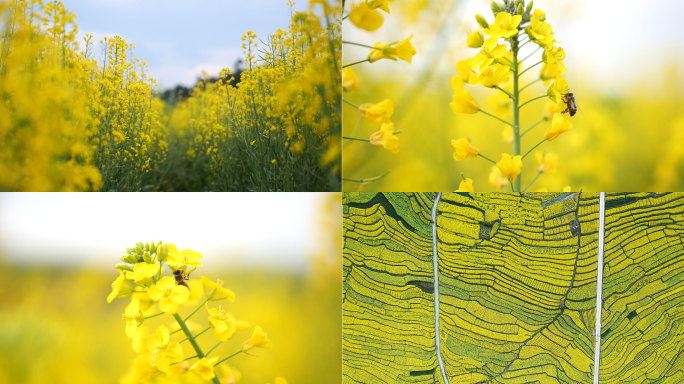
(142, 272)
(215, 290)
(559, 124)
(494, 75)
(118, 288)
(169, 294)
(386, 138)
(464, 102)
(510, 166)
(505, 25)
(475, 39)
(224, 323)
(377, 113)
(547, 161)
(259, 339)
(365, 17)
(463, 149)
(205, 367)
(183, 259)
(132, 316)
(381, 4)
(349, 80)
(466, 186)
(540, 32)
(398, 49)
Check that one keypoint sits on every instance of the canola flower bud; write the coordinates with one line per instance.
(481, 20)
(139, 248)
(152, 247)
(162, 252)
(529, 7)
(520, 9)
(497, 7)
(147, 257)
(129, 258)
(124, 267)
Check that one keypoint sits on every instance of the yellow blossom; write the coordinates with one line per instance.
(463, 149)
(464, 102)
(494, 75)
(224, 323)
(475, 39)
(181, 260)
(510, 166)
(205, 367)
(398, 49)
(259, 339)
(547, 161)
(142, 272)
(377, 113)
(487, 55)
(215, 290)
(365, 17)
(540, 32)
(381, 4)
(505, 25)
(559, 124)
(169, 294)
(118, 288)
(386, 138)
(132, 316)
(466, 186)
(166, 352)
(349, 80)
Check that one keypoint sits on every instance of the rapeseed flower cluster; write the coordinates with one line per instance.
(367, 15)
(498, 65)
(279, 128)
(156, 277)
(68, 123)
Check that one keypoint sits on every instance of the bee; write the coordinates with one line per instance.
(569, 100)
(180, 278)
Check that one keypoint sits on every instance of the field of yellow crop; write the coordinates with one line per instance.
(454, 115)
(57, 326)
(77, 119)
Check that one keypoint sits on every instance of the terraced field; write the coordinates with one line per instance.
(512, 279)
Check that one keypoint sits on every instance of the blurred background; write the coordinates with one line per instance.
(279, 252)
(624, 64)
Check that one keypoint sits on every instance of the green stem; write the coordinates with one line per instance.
(357, 44)
(355, 138)
(529, 84)
(355, 63)
(234, 354)
(533, 180)
(496, 117)
(532, 126)
(196, 309)
(487, 158)
(505, 91)
(515, 187)
(193, 342)
(530, 67)
(212, 348)
(151, 316)
(533, 148)
(367, 180)
(350, 103)
(533, 99)
(197, 335)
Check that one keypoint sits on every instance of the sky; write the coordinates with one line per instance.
(610, 41)
(94, 229)
(181, 38)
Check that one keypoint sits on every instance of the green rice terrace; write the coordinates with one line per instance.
(502, 288)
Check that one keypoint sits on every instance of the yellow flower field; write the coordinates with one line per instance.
(75, 118)
(467, 116)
